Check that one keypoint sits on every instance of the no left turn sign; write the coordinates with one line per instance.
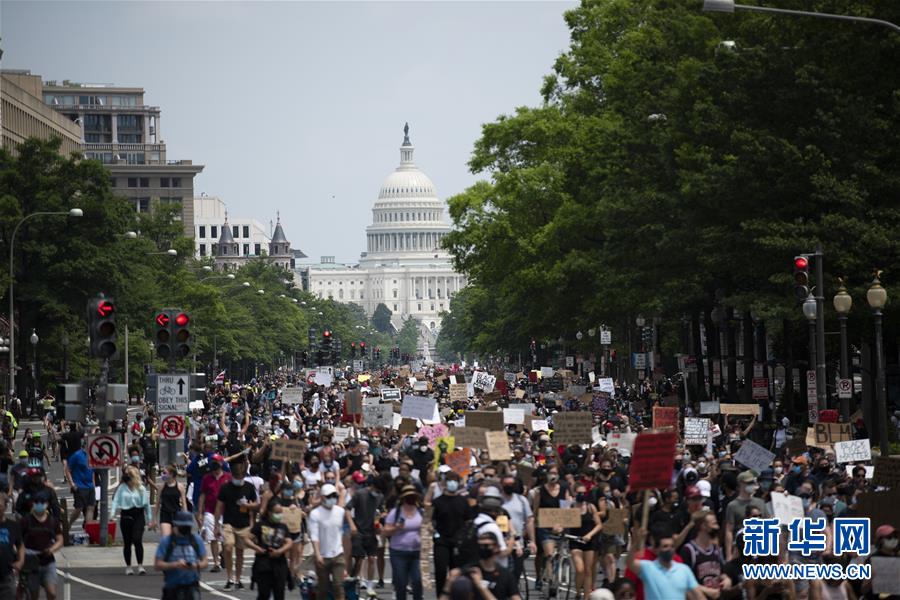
(104, 451)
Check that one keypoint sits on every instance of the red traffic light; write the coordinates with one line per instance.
(182, 319)
(105, 308)
(162, 319)
(362, 344)
(801, 262)
(326, 333)
(353, 344)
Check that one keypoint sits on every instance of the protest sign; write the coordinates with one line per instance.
(291, 450)
(870, 471)
(739, 409)
(390, 394)
(887, 472)
(407, 426)
(513, 416)
(546, 372)
(696, 430)
(539, 425)
(510, 378)
(292, 395)
(886, 575)
(483, 380)
(709, 408)
(353, 402)
(606, 385)
(470, 437)
(377, 415)
(572, 427)
(459, 462)
(616, 522)
(341, 434)
(880, 507)
(458, 392)
(787, 508)
(559, 517)
(520, 393)
(753, 456)
(323, 378)
(491, 420)
(824, 435)
(498, 445)
(651, 463)
(418, 407)
(576, 390)
(623, 442)
(852, 451)
(666, 416)
(420, 386)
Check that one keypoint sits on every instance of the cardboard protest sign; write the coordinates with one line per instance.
(470, 437)
(539, 425)
(886, 575)
(616, 522)
(739, 409)
(292, 396)
(418, 407)
(491, 397)
(666, 416)
(576, 390)
(458, 392)
(852, 451)
(483, 380)
(753, 456)
(652, 460)
(824, 435)
(353, 402)
(696, 430)
(572, 427)
(887, 472)
(520, 393)
(491, 420)
(407, 426)
(559, 517)
(459, 462)
(709, 408)
(291, 450)
(420, 386)
(513, 416)
(378, 415)
(341, 434)
(291, 517)
(787, 508)
(498, 445)
(880, 507)
(623, 442)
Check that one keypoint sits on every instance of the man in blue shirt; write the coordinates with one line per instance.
(663, 578)
(81, 482)
(181, 557)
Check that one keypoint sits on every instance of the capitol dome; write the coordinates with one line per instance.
(408, 217)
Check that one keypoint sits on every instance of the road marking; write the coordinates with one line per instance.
(104, 589)
(216, 592)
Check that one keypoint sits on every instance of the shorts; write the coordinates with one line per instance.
(583, 546)
(235, 537)
(543, 534)
(166, 516)
(85, 497)
(364, 544)
(209, 528)
(46, 575)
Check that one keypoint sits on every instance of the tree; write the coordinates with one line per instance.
(381, 318)
(408, 338)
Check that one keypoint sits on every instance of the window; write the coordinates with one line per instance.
(340, 294)
(361, 295)
(395, 308)
(442, 306)
(123, 100)
(129, 122)
(134, 158)
(92, 138)
(176, 182)
(164, 181)
(234, 231)
(142, 205)
(129, 138)
(395, 293)
(432, 306)
(420, 306)
(214, 231)
(202, 249)
(246, 249)
(256, 249)
(112, 182)
(132, 182)
(202, 233)
(353, 294)
(145, 182)
(395, 282)
(246, 231)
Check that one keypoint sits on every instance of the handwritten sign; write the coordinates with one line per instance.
(753, 456)
(852, 451)
(572, 427)
(459, 461)
(696, 430)
(323, 378)
(459, 392)
(623, 442)
(824, 435)
(559, 517)
(353, 399)
(483, 380)
(666, 416)
(616, 521)
(709, 408)
(739, 409)
(497, 445)
(291, 450)
(470, 437)
(787, 508)
(606, 385)
(887, 472)
(417, 407)
(378, 415)
(390, 394)
(513, 416)
(539, 425)
(406, 426)
(492, 420)
(651, 463)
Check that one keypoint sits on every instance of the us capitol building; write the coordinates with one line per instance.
(404, 266)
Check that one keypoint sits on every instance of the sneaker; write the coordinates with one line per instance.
(229, 585)
(380, 584)
(239, 586)
(538, 584)
(128, 571)
(142, 570)
(215, 569)
(372, 594)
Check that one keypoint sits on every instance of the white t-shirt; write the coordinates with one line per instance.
(325, 527)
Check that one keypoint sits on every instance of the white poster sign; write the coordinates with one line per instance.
(606, 385)
(623, 442)
(483, 380)
(513, 416)
(787, 508)
(709, 408)
(753, 456)
(418, 407)
(852, 451)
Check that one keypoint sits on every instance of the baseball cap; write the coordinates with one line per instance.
(746, 477)
(705, 488)
(444, 469)
(23, 454)
(328, 490)
(183, 519)
(358, 476)
(884, 531)
(692, 491)
(800, 460)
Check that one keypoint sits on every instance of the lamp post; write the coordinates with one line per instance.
(877, 297)
(4, 349)
(729, 6)
(34, 339)
(843, 302)
(74, 212)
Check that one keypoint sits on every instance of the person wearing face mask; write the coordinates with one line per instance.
(171, 499)
(737, 508)
(326, 523)
(271, 541)
(522, 518)
(236, 501)
(366, 505)
(12, 552)
(42, 537)
(449, 511)
(549, 495)
(133, 500)
(583, 550)
(403, 526)
(490, 580)
(422, 457)
(662, 577)
(181, 556)
(796, 475)
(704, 556)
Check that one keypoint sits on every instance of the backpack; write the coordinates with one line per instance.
(466, 543)
(171, 547)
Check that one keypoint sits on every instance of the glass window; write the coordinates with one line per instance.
(176, 182)
(395, 293)
(341, 294)
(361, 295)
(246, 231)
(202, 233)
(145, 182)
(202, 249)
(420, 306)
(256, 249)
(132, 182)
(112, 182)
(142, 205)
(164, 182)
(154, 156)
(234, 231)
(129, 138)
(134, 158)
(92, 138)
(214, 231)
(395, 308)
(432, 306)
(246, 249)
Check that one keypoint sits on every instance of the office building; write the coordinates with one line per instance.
(23, 114)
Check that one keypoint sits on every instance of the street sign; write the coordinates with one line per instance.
(173, 393)
(570, 361)
(606, 337)
(171, 427)
(757, 370)
(358, 366)
(810, 385)
(690, 364)
(104, 451)
(845, 388)
(760, 388)
(639, 360)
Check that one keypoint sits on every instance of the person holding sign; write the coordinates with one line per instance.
(271, 541)
(548, 495)
(583, 550)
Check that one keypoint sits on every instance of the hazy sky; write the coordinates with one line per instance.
(299, 106)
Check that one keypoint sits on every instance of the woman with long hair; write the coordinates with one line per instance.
(133, 500)
(171, 499)
(583, 549)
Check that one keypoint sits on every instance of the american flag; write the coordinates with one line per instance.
(220, 378)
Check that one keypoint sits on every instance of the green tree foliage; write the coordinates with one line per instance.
(381, 318)
(664, 165)
(408, 338)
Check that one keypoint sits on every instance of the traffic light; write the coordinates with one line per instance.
(325, 354)
(801, 277)
(377, 353)
(336, 352)
(182, 334)
(362, 350)
(353, 349)
(163, 333)
(102, 327)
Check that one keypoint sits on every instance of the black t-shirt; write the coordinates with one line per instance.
(365, 502)
(10, 539)
(40, 536)
(270, 536)
(235, 513)
(449, 512)
(501, 582)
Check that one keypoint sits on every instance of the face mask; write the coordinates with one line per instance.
(652, 501)
(135, 459)
(722, 454)
(237, 481)
(553, 477)
(184, 530)
(806, 502)
(329, 502)
(751, 489)
(298, 484)
(890, 544)
(40, 507)
(701, 465)
(580, 497)
(423, 448)
(666, 555)
(779, 470)
(796, 469)
(275, 517)
(714, 532)
(509, 489)
(452, 486)
(485, 552)
(288, 493)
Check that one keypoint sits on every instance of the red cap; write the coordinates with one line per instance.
(358, 476)
(692, 491)
(884, 531)
(217, 458)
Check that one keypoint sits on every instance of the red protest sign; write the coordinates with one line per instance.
(652, 460)
(665, 416)
(459, 462)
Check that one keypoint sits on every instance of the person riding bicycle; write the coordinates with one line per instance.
(12, 552)
(491, 581)
(34, 485)
(42, 536)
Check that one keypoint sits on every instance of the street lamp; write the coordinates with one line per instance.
(169, 252)
(843, 302)
(877, 297)
(729, 6)
(74, 212)
(229, 276)
(34, 339)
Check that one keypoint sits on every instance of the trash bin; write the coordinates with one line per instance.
(92, 528)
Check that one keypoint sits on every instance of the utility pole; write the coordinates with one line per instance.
(821, 399)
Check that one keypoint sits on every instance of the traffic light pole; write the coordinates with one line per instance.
(104, 473)
(821, 398)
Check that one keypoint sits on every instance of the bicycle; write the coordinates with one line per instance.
(29, 577)
(561, 570)
(519, 563)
